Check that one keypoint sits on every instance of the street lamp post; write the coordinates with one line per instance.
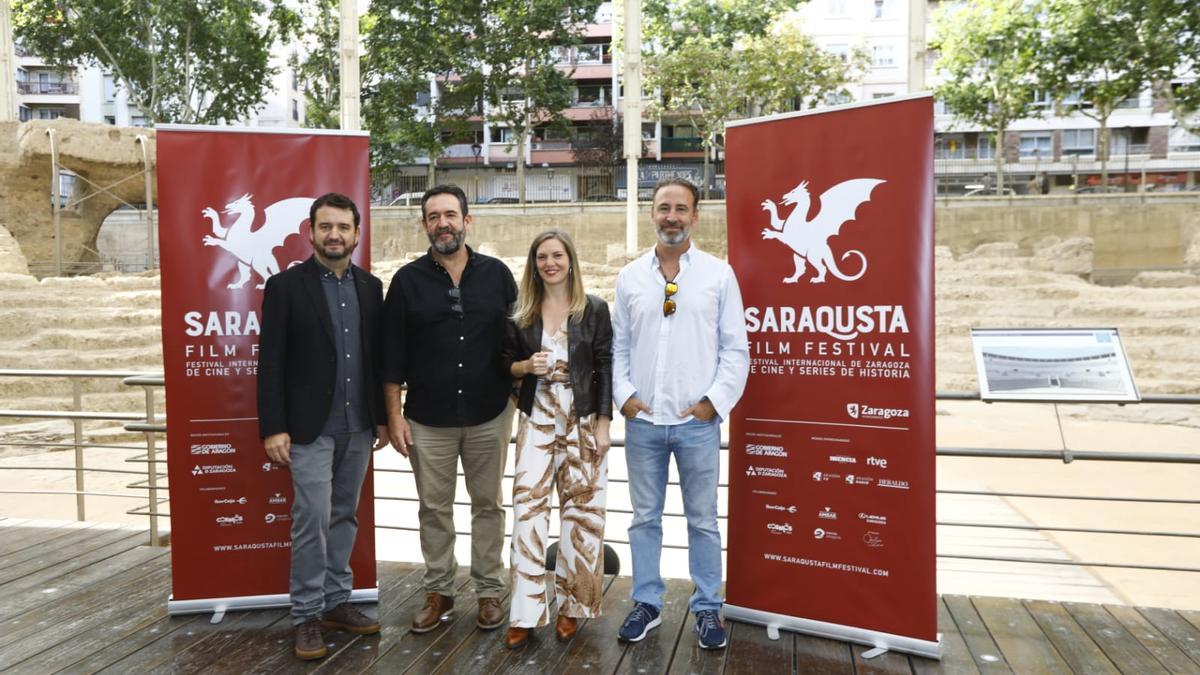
(477, 150)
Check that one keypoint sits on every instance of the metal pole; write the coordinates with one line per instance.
(143, 141)
(8, 84)
(152, 467)
(348, 42)
(77, 391)
(633, 117)
(55, 192)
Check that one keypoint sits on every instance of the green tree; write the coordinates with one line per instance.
(185, 61)
(1180, 20)
(669, 23)
(1100, 53)
(989, 60)
(709, 83)
(315, 25)
(491, 59)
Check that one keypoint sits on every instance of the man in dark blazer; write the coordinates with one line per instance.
(320, 412)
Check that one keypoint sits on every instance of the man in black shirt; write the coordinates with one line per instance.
(444, 317)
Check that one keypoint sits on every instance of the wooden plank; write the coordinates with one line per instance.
(822, 656)
(1191, 616)
(44, 586)
(1081, 653)
(747, 650)
(544, 652)
(596, 650)
(956, 657)
(1125, 652)
(166, 629)
(396, 611)
(1025, 646)
(170, 652)
(20, 538)
(1181, 632)
(891, 663)
(67, 537)
(55, 554)
(1159, 645)
(653, 654)
(984, 651)
(70, 610)
(271, 647)
(132, 604)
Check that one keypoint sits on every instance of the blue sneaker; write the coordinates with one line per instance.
(641, 619)
(712, 633)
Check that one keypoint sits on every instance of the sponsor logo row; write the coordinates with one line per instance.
(757, 471)
(870, 539)
(238, 519)
(778, 451)
(216, 469)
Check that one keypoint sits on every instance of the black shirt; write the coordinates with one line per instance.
(450, 359)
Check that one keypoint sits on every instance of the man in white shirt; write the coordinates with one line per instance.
(680, 360)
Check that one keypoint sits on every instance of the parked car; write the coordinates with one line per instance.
(600, 198)
(407, 199)
(988, 192)
(503, 200)
(1098, 189)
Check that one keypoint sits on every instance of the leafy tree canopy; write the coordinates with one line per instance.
(184, 61)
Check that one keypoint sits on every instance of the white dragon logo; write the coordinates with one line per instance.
(809, 239)
(254, 250)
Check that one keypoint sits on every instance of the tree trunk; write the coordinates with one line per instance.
(704, 178)
(521, 140)
(432, 171)
(1102, 153)
(999, 161)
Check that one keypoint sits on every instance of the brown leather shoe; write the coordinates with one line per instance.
(565, 627)
(347, 617)
(438, 608)
(490, 614)
(516, 637)
(309, 643)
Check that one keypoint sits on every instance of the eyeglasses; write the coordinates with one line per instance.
(668, 304)
(455, 295)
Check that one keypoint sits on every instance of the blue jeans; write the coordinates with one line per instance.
(648, 449)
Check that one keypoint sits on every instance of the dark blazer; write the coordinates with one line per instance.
(589, 354)
(296, 359)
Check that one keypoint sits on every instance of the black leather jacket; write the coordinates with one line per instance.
(589, 348)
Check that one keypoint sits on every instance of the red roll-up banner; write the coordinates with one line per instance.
(831, 461)
(233, 210)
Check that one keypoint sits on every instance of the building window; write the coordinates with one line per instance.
(837, 98)
(295, 110)
(1078, 142)
(942, 108)
(1036, 144)
(840, 51)
(501, 135)
(882, 94)
(25, 114)
(295, 80)
(588, 95)
(49, 113)
(1182, 140)
(110, 89)
(949, 146)
(836, 8)
(883, 56)
(883, 8)
(560, 55)
(984, 148)
(589, 54)
(1042, 99)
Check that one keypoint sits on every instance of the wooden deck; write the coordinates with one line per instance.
(82, 598)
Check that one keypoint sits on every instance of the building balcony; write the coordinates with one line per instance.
(683, 144)
(53, 88)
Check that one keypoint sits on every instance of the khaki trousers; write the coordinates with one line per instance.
(435, 457)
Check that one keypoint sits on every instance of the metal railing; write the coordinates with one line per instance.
(35, 87)
(76, 415)
(150, 426)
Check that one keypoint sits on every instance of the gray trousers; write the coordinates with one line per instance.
(327, 477)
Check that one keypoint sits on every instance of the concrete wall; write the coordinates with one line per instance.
(1129, 231)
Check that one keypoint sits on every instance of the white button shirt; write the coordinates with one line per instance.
(671, 362)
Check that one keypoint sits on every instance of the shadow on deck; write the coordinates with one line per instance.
(82, 598)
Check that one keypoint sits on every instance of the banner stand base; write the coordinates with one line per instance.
(862, 636)
(218, 606)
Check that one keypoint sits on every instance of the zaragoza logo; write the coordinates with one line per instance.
(255, 250)
(809, 239)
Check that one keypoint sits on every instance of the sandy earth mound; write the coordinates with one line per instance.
(111, 322)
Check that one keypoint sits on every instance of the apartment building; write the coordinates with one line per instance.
(1053, 152)
(89, 94)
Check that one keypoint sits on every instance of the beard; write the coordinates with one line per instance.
(673, 238)
(337, 255)
(446, 247)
